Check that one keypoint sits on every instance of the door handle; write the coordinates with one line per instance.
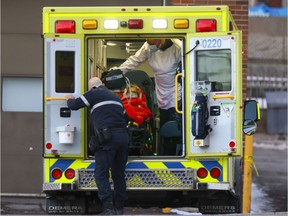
(54, 98)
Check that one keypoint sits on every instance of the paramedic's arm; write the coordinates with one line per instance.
(134, 61)
(75, 103)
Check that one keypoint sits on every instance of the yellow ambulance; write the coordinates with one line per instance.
(204, 170)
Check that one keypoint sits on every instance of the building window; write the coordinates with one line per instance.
(22, 94)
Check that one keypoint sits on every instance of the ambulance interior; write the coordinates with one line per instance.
(146, 139)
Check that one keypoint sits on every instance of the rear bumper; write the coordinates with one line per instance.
(149, 179)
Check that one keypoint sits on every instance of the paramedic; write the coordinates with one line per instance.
(107, 113)
(163, 56)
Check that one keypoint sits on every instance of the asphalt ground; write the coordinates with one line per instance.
(24, 205)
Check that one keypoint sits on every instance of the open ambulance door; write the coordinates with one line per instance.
(63, 75)
(214, 108)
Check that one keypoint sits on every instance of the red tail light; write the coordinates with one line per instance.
(202, 172)
(70, 173)
(215, 172)
(232, 144)
(206, 25)
(65, 26)
(48, 145)
(135, 24)
(56, 173)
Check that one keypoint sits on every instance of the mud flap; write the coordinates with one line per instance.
(219, 206)
(65, 205)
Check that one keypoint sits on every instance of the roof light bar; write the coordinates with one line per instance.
(111, 24)
(159, 24)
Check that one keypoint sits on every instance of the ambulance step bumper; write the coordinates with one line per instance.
(145, 179)
(58, 187)
(213, 186)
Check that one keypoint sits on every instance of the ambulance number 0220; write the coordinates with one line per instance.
(212, 43)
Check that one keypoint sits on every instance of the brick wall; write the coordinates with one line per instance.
(275, 3)
(272, 3)
(239, 10)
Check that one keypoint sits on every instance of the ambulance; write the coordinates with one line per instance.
(205, 170)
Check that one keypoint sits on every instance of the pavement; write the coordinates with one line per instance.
(260, 137)
(24, 205)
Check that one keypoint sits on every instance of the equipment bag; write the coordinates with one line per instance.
(200, 115)
(115, 79)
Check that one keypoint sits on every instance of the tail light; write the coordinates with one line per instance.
(202, 172)
(232, 144)
(215, 172)
(48, 145)
(56, 173)
(206, 25)
(65, 26)
(70, 173)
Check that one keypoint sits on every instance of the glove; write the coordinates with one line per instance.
(69, 97)
(113, 68)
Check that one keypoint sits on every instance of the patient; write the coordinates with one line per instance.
(134, 102)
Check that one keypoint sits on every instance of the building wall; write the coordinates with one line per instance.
(22, 56)
(271, 3)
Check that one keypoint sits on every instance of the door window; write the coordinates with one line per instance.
(214, 66)
(65, 67)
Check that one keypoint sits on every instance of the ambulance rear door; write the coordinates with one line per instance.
(63, 76)
(216, 72)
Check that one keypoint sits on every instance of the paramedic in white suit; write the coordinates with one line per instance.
(163, 55)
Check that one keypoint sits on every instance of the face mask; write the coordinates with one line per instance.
(153, 48)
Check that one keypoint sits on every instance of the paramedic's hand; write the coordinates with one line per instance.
(69, 97)
(113, 68)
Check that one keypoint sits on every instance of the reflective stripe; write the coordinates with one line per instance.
(85, 100)
(105, 103)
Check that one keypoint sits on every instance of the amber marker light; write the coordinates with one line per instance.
(181, 23)
(89, 24)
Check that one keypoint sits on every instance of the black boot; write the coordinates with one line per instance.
(119, 207)
(108, 209)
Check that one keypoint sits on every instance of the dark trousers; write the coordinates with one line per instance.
(167, 115)
(112, 157)
(168, 147)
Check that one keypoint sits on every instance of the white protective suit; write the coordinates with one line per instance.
(163, 64)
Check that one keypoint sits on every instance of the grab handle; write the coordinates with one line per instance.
(215, 97)
(54, 98)
(176, 93)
